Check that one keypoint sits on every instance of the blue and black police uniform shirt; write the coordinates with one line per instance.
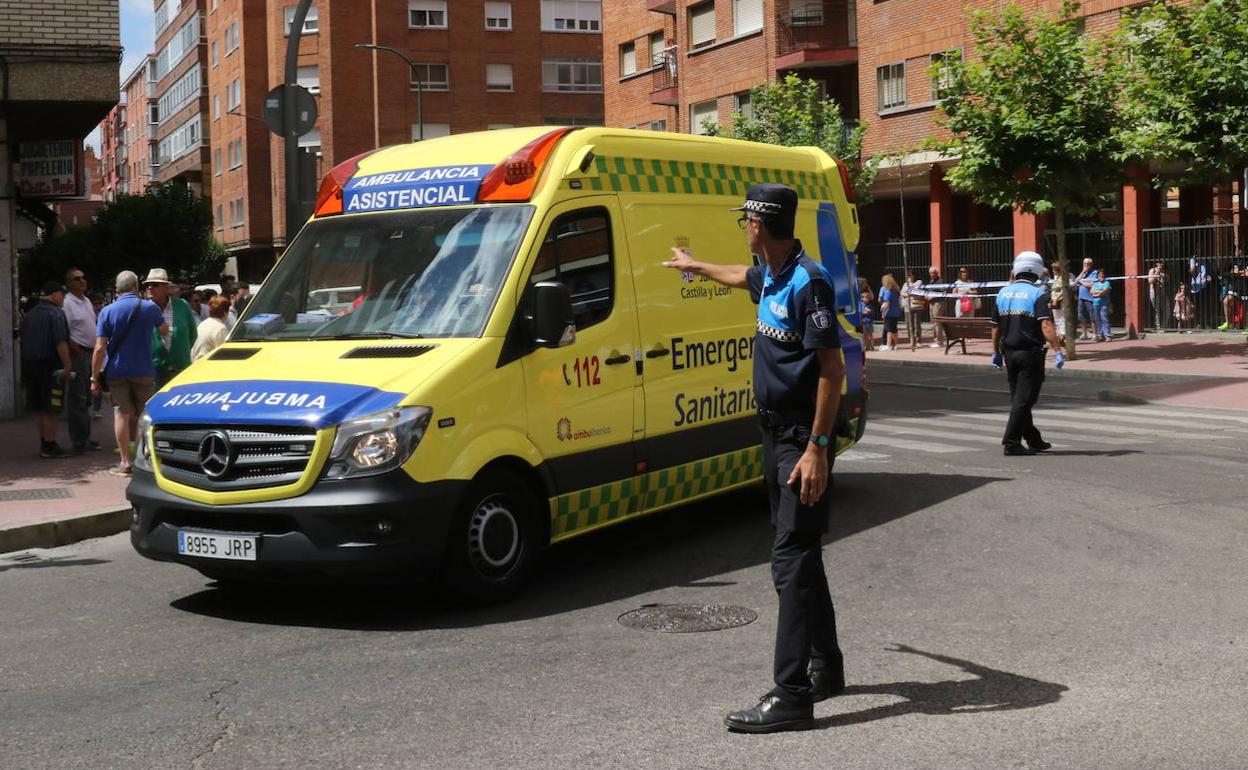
(796, 317)
(1021, 306)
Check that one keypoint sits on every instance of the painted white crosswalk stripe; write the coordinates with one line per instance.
(1087, 427)
(1181, 419)
(906, 430)
(953, 430)
(875, 439)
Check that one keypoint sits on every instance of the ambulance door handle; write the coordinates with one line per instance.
(657, 353)
(623, 358)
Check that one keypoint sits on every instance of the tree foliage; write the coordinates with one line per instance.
(1184, 76)
(791, 113)
(168, 226)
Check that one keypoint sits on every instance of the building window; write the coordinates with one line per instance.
(497, 126)
(236, 212)
(216, 106)
(310, 78)
(431, 77)
(498, 77)
(571, 15)
(182, 140)
(747, 16)
(743, 104)
(216, 162)
(702, 25)
(311, 142)
(426, 14)
(658, 125)
(565, 73)
(702, 114)
(161, 18)
(220, 219)
(497, 16)
(657, 43)
(941, 78)
(182, 91)
(185, 40)
(216, 54)
(573, 121)
(231, 38)
(890, 86)
(806, 15)
(432, 130)
(311, 22)
(628, 59)
(233, 95)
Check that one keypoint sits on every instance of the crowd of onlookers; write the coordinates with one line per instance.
(76, 346)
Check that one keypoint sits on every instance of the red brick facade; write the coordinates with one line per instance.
(185, 153)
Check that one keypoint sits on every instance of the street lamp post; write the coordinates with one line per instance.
(420, 84)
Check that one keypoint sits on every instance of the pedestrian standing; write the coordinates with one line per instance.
(1100, 305)
(1159, 296)
(80, 313)
(890, 310)
(124, 335)
(1086, 314)
(1184, 311)
(1201, 292)
(46, 364)
(1021, 325)
(915, 304)
(171, 350)
(1057, 298)
(798, 373)
(212, 330)
(964, 305)
(935, 307)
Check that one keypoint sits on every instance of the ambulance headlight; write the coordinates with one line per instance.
(377, 442)
(143, 444)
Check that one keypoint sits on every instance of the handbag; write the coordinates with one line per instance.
(966, 305)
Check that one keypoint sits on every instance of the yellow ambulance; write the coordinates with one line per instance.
(515, 367)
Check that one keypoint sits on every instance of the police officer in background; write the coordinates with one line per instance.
(798, 372)
(1021, 325)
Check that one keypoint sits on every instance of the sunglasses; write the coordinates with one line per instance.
(744, 219)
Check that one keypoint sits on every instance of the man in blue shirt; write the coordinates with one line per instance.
(1021, 324)
(798, 372)
(124, 337)
(1100, 306)
(1086, 314)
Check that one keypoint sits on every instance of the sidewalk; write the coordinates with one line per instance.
(1206, 369)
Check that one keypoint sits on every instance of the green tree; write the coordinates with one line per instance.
(1185, 87)
(1033, 119)
(791, 113)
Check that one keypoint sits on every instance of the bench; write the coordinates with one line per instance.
(959, 330)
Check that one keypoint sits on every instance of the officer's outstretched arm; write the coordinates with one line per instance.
(728, 275)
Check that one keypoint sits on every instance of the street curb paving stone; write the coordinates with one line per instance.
(65, 530)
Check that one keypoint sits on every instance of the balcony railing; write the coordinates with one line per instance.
(814, 25)
(663, 84)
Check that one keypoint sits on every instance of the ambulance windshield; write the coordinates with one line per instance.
(416, 273)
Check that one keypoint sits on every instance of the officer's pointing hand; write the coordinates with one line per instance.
(680, 260)
(811, 472)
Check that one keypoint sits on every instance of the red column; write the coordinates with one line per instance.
(1137, 197)
(1029, 232)
(941, 216)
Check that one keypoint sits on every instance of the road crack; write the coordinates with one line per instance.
(225, 728)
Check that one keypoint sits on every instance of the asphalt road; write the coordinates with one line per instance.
(1079, 610)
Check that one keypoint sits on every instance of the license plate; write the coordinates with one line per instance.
(211, 546)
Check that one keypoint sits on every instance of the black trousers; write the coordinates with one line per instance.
(1025, 369)
(806, 627)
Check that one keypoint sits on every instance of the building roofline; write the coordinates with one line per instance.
(125, 83)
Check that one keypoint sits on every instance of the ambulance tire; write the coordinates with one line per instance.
(494, 540)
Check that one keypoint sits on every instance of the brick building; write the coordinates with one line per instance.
(182, 146)
(128, 135)
(480, 64)
(61, 59)
(673, 64)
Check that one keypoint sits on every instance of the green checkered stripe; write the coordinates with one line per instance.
(596, 506)
(687, 177)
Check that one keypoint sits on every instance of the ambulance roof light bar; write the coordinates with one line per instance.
(515, 179)
(329, 197)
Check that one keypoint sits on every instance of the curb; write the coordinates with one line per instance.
(66, 530)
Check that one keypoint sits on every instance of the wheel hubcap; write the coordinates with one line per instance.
(494, 538)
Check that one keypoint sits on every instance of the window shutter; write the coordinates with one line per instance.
(656, 49)
(702, 24)
(628, 59)
(747, 16)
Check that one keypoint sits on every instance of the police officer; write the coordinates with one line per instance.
(1021, 325)
(798, 372)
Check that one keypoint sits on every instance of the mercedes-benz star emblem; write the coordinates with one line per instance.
(215, 454)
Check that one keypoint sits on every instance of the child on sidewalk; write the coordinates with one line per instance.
(1184, 311)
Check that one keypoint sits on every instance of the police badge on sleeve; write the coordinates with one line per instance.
(822, 318)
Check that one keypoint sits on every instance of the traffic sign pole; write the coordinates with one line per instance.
(289, 123)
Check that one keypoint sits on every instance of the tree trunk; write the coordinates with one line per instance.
(1069, 296)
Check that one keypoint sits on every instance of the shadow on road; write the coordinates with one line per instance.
(690, 547)
(44, 563)
(991, 690)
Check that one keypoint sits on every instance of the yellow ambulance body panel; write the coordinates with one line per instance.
(517, 367)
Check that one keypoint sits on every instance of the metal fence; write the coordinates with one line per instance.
(1197, 257)
(911, 255)
(1103, 245)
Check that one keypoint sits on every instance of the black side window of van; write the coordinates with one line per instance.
(577, 252)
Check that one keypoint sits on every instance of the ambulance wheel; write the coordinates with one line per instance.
(494, 540)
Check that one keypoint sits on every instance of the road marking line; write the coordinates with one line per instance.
(1088, 427)
(862, 455)
(958, 426)
(906, 430)
(919, 446)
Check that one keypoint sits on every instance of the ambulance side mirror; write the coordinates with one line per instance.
(552, 322)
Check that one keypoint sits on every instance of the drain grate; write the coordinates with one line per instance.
(687, 618)
(24, 495)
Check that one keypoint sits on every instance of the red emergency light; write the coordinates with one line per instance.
(514, 179)
(329, 197)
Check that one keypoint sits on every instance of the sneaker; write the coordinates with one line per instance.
(50, 450)
(121, 470)
(885, 348)
(935, 345)
(1224, 327)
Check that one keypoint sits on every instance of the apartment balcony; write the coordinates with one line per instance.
(817, 34)
(662, 6)
(663, 87)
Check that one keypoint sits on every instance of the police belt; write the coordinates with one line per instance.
(785, 417)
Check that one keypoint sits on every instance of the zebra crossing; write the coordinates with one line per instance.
(947, 431)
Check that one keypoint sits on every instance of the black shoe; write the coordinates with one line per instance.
(771, 715)
(1039, 446)
(825, 683)
(52, 451)
(1017, 449)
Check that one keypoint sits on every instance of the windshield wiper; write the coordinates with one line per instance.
(370, 335)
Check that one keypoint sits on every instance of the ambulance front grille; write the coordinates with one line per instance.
(258, 456)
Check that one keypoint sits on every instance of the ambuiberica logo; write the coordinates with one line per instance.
(564, 432)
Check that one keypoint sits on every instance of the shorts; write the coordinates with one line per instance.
(890, 324)
(1086, 313)
(39, 379)
(131, 393)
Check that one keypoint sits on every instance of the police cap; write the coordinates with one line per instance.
(770, 200)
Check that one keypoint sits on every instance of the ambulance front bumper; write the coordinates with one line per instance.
(379, 527)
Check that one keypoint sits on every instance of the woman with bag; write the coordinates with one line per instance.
(914, 305)
(964, 306)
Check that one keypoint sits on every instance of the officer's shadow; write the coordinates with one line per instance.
(991, 690)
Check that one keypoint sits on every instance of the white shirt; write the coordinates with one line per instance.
(81, 317)
(211, 333)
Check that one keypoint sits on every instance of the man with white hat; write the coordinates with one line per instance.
(1021, 325)
(171, 350)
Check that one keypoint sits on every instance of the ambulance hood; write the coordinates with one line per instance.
(317, 384)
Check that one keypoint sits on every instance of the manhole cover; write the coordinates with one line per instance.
(23, 495)
(685, 618)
